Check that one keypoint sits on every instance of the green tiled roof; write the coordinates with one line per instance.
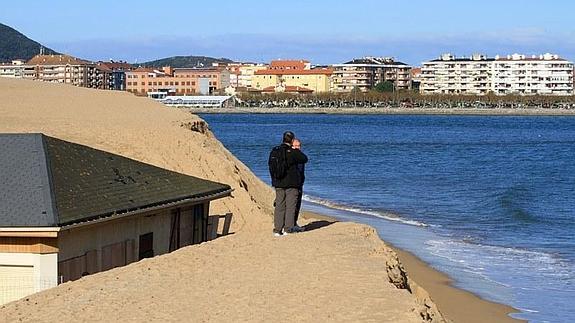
(87, 184)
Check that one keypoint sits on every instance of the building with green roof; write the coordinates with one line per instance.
(68, 210)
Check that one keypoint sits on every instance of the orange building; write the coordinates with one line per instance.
(181, 81)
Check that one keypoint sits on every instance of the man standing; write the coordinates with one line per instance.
(296, 144)
(286, 179)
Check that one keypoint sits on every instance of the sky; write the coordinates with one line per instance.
(324, 32)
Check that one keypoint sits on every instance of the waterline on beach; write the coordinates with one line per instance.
(488, 200)
(500, 274)
(383, 215)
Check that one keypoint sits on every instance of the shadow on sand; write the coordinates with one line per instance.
(317, 225)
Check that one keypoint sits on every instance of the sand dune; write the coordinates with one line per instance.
(340, 272)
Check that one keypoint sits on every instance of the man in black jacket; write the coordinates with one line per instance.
(296, 144)
(287, 188)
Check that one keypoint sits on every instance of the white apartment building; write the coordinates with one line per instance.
(241, 74)
(365, 73)
(544, 75)
(451, 75)
(513, 74)
(15, 69)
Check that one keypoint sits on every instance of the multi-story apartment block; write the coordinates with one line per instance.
(69, 70)
(513, 74)
(14, 69)
(365, 73)
(65, 69)
(452, 75)
(544, 75)
(179, 81)
(116, 72)
(241, 74)
(292, 76)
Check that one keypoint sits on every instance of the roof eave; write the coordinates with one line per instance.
(29, 232)
(145, 210)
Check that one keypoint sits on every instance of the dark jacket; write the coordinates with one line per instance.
(293, 178)
(301, 171)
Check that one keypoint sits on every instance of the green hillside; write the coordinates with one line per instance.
(186, 61)
(14, 45)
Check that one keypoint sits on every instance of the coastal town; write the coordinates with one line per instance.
(475, 75)
(250, 161)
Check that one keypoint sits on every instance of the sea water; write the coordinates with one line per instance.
(490, 200)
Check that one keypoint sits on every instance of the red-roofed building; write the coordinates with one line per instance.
(65, 69)
(116, 72)
(241, 74)
(293, 74)
(290, 65)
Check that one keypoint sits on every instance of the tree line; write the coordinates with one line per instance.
(404, 99)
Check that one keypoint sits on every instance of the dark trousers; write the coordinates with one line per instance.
(285, 209)
(298, 205)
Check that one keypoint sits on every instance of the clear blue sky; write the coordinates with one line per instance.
(322, 31)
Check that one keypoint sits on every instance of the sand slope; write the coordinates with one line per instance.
(340, 272)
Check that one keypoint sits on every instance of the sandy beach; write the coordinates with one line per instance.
(332, 272)
(456, 304)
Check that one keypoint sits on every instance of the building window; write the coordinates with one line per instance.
(146, 246)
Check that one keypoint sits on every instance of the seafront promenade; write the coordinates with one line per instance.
(391, 111)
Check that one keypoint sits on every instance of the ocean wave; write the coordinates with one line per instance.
(476, 257)
(381, 215)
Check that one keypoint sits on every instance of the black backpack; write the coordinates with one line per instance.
(278, 163)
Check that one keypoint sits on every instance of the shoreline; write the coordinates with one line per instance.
(240, 277)
(456, 304)
(387, 111)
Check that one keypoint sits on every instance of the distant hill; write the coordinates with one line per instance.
(186, 61)
(14, 45)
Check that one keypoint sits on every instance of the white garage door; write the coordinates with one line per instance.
(15, 282)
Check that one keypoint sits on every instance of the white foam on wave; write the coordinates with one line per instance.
(381, 215)
(478, 258)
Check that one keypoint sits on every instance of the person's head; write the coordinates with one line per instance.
(296, 144)
(288, 137)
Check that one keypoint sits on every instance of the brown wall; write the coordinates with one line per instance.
(93, 248)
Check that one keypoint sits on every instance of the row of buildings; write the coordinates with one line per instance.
(69, 70)
(501, 75)
(293, 76)
(477, 74)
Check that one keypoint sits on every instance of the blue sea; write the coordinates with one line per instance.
(490, 200)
